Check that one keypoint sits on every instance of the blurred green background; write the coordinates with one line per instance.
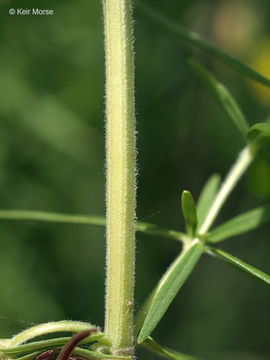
(52, 158)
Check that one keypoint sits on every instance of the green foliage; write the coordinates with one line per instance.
(197, 41)
(65, 131)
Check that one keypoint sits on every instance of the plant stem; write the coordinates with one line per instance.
(239, 168)
(120, 155)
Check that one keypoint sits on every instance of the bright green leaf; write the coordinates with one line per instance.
(223, 97)
(168, 287)
(206, 197)
(239, 264)
(189, 212)
(240, 224)
(164, 351)
(197, 41)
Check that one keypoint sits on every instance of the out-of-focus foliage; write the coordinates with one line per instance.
(52, 158)
(260, 61)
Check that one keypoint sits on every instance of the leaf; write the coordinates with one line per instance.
(259, 134)
(240, 224)
(168, 287)
(197, 41)
(239, 264)
(206, 197)
(223, 97)
(44, 216)
(151, 344)
(33, 215)
(46, 344)
(189, 212)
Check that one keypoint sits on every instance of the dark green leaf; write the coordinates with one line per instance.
(164, 351)
(197, 41)
(189, 212)
(240, 224)
(168, 287)
(206, 197)
(223, 97)
(239, 264)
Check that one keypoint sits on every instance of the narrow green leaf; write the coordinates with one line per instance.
(223, 97)
(240, 224)
(197, 41)
(239, 264)
(259, 134)
(168, 287)
(189, 212)
(151, 344)
(206, 197)
(46, 344)
(43, 216)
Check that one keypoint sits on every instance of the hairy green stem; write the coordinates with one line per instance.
(243, 161)
(120, 156)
